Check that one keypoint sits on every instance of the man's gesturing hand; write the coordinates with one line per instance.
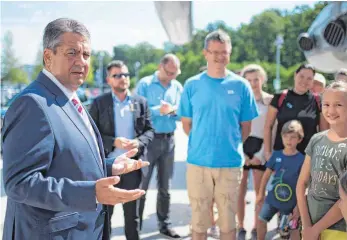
(123, 164)
(106, 193)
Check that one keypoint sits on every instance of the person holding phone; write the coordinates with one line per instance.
(163, 93)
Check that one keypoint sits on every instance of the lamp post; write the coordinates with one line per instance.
(278, 42)
(101, 71)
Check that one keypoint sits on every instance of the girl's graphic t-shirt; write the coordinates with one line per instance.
(328, 162)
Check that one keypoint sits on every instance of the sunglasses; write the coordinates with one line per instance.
(120, 75)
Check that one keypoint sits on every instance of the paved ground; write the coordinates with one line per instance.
(180, 210)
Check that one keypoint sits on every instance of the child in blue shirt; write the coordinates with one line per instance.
(285, 165)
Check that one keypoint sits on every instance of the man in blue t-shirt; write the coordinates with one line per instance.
(285, 165)
(216, 110)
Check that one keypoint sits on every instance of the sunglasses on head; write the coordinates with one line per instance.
(120, 75)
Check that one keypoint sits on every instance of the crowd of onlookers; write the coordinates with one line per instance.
(294, 142)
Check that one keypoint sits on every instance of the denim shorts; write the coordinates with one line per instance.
(268, 211)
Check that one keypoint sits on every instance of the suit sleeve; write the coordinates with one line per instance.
(109, 163)
(107, 140)
(28, 152)
(148, 134)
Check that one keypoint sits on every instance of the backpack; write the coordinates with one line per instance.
(284, 95)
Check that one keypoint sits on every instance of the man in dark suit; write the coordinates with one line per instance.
(53, 159)
(124, 123)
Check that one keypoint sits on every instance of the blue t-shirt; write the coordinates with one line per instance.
(217, 107)
(282, 192)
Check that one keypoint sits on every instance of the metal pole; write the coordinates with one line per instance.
(278, 62)
(277, 81)
(101, 71)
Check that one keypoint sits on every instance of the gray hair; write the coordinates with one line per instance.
(251, 68)
(54, 30)
(219, 36)
(171, 57)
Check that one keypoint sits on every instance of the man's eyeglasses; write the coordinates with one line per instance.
(169, 73)
(120, 75)
(215, 53)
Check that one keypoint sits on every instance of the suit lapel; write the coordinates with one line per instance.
(72, 114)
(99, 141)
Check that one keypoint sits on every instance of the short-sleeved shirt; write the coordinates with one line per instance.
(217, 106)
(328, 162)
(303, 108)
(282, 192)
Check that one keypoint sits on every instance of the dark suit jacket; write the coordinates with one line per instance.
(51, 164)
(103, 114)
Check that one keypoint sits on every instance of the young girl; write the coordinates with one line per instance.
(326, 160)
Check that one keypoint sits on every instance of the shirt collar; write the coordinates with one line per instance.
(69, 94)
(155, 77)
(115, 98)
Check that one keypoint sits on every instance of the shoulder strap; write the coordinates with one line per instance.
(317, 98)
(282, 97)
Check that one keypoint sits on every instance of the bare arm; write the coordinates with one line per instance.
(264, 181)
(331, 217)
(323, 124)
(269, 123)
(246, 129)
(301, 190)
(187, 124)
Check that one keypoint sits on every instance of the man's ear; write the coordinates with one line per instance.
(47, 57)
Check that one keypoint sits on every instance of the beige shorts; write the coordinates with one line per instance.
(207, 184)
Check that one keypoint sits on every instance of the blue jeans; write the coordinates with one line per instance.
(268, 211)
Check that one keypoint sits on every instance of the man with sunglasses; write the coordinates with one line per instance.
(163, 93)
(124, 123)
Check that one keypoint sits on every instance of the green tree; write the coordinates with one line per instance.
(38, 63)
(8, 59)
(147, 69)
(18, 75)
(90, 80)
(106, 59)
(260, 36)
(252, 43)
(37, 69)
(297, 21)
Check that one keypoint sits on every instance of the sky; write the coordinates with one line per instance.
(118, 22)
